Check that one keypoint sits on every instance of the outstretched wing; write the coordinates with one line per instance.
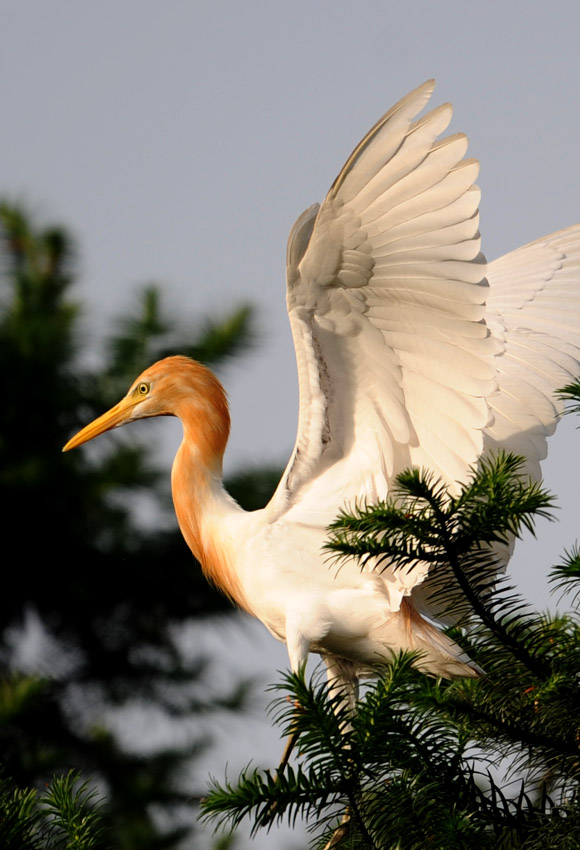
(533, 305)
(533, 309)
(386, 297)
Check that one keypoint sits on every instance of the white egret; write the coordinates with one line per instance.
(411, 351)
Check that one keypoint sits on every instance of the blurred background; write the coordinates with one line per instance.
(153, 159)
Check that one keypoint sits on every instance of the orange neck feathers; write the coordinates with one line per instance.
(194, 394)
(199, 498)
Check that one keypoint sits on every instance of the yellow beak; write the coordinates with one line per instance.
(117, 415)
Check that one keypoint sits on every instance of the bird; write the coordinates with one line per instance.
(411, 351)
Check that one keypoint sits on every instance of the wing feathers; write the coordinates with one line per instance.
(410, 349)
(381, 142)
(449, 189)
(465, 251)
(431, 171)
(446, 269)
(533, 306)
(411, 154)
(451, 234)
(459, 213)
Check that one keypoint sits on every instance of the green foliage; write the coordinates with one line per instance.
(571, 395)
(491, 762)
(63, 817)
(73, 822)
(103, 593)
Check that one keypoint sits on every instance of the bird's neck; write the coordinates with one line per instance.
(203, 508)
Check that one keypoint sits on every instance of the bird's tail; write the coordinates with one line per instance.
(439, 655)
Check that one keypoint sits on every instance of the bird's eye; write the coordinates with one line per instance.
(143, 388)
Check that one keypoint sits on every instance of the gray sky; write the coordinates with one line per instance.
(180, 140)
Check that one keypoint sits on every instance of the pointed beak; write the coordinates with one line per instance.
(117, 415)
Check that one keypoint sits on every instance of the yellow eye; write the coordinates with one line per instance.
(143, 388)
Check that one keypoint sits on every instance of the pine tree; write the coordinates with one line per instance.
(64, 815)
(492, 762)
(103, 591)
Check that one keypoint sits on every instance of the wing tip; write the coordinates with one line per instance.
(420, 96)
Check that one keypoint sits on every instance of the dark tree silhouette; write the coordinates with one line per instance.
(107, 590)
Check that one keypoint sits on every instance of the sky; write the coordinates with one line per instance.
(180, 140)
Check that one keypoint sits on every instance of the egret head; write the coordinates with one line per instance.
(174, 386)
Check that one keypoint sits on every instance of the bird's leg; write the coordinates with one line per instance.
(298, 649)
(343, 687)
(290, 744)
(342, 683)
(288, 749)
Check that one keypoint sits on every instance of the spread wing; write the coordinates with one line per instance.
(533, 309)
(386, 297)
(410, 350)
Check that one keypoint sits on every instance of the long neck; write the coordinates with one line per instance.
(202, 505)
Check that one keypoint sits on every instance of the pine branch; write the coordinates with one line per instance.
(566, 576)
(403, 770)
(63, 817)
(19, 819)
(69, 808)
(571, 395)
(457, 535)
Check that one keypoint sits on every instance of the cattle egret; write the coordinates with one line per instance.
(411, 351)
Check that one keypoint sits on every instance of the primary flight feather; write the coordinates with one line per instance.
(411, 351)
